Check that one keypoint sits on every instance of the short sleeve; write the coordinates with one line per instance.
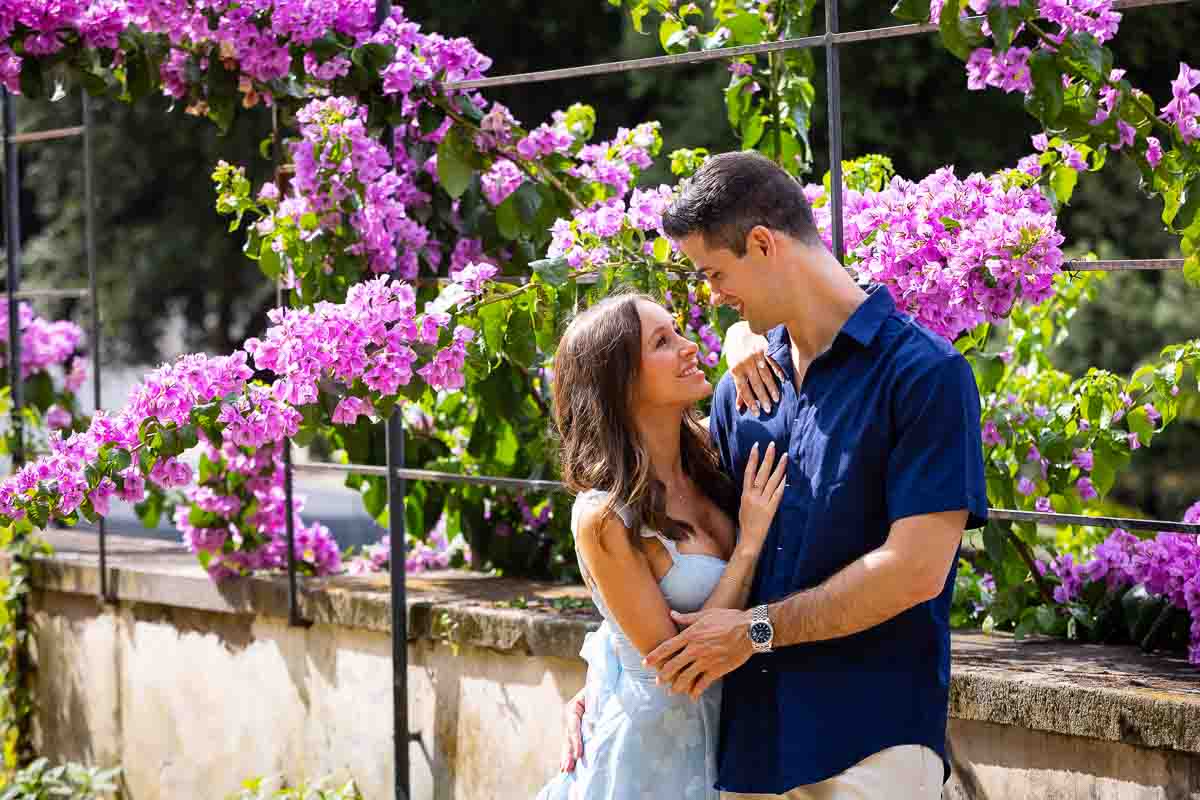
(936, 461)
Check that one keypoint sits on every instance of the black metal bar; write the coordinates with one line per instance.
(54, 294)
(12, 236)
(397, 557)
(556, 486)
(89, 240)
(1078, 265)
(721, 53)
(397, 560)
(833, 72)
(1124, 265)
(433, 476)
(47, 136)
(1046, 518)
(283, 299)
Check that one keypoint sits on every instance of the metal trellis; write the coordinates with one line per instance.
(14, 294)
(395, 471)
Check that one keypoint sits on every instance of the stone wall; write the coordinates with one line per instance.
(193, 687)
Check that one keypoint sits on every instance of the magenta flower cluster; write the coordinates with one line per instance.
(953, 252)
(435, 552)
(260, 541)
(44, 343)
(1167, 565)
(373, 337)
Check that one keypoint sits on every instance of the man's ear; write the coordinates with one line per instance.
(760, 240)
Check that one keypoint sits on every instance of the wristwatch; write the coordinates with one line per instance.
(762, 633)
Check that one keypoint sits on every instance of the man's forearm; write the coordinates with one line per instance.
(865, 593)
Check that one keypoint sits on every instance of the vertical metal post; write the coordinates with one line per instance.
(833, 73)
(283, 298)
(12, 236)
(89, 238)
(397, 559)
(396, 555)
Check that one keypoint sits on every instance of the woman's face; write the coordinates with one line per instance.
(670, 373)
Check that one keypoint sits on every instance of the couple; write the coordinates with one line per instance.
(801, 649)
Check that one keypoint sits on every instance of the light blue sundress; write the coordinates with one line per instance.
(641, 741)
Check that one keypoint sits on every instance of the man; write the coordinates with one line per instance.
(836, 680)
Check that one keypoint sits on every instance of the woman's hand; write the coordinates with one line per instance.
(755, 374)
(762, 489)
(573, 722)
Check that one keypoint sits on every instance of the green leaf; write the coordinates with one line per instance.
(269, 261)
(1046, 100)
(494, 318)
(1140, 609)
(1082, 53)
(520, 344)
(959, 36)
(1191, 268)
(528, 201)
(120, 460)
(454, 173)
(1139, 422)
(1002, 19)
(736, 102)
(746, 28)
(1063, 180)
(667, 32)
(581, 121)
(751, 129)
(994, 542)
(912, 11)
(551, 270)
(1027, 625)
(374, 495)
(1186, 216)
(988, 372)
(1047, 619)
(662, 250)
(508, 221)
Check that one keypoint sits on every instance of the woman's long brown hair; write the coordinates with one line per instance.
(595, 370)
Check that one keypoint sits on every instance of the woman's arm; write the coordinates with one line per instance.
(625, 580)
(762, 489)
(761, 493)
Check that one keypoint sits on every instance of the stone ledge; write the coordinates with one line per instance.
(1106, 693)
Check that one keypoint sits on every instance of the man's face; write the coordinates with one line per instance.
(740, 282)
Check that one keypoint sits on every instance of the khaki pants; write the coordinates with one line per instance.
(906, 772)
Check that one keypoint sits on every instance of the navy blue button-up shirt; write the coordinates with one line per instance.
(885, 425)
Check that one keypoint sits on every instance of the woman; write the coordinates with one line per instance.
(652, 534)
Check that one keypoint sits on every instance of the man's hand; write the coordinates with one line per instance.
(573, 724)
(715, 643)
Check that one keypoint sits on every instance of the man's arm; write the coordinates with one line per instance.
(935, 487)
(910, 568)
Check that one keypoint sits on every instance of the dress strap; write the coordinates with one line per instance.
(672, 548)
(596, 497)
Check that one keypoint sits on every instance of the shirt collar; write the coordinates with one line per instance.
(868, 318)
(862, 326)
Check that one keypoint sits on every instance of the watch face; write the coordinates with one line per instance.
(760, 632)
